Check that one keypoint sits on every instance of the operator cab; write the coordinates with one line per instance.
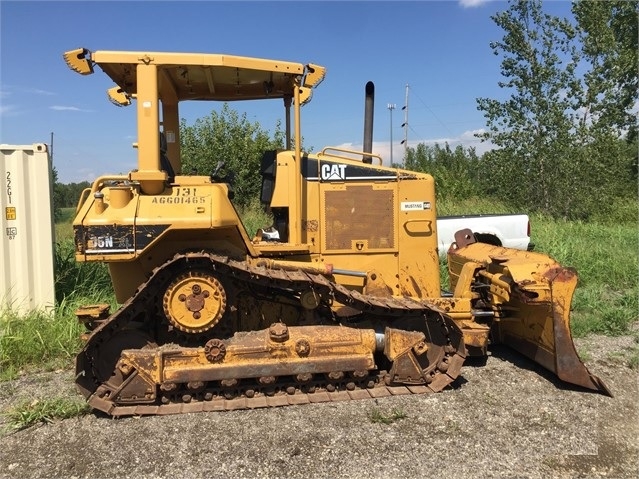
(160, 81)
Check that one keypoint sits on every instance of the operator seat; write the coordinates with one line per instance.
(268, 168)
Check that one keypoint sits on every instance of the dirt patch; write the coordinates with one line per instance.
(505, 418)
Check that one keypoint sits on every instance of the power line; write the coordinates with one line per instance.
(405, 125)
(431, 111)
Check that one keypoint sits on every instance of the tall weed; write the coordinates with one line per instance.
(49, 340)
(254, 217)
(73, 279)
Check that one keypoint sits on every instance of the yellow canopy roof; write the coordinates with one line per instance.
(194, 76)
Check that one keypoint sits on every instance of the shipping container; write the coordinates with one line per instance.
(26, 206)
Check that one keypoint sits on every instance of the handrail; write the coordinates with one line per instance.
(352, 152)
(96, 186)
(83, 197)
(99, 182)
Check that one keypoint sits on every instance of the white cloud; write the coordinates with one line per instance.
(11, 89)
(37, 91)
(467, 139)
(473, 3)
(66, 108)
(7, 110)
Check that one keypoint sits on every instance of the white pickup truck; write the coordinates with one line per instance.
(512, 231)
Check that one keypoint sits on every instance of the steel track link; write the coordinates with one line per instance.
(91, 381)
(258, 402)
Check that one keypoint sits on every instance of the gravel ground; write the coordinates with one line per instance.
(506, 419)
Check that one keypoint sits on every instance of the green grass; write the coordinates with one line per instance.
(63, 227)
(254, 218)
(606, 257)
(471, 206)
(43, 340)
(378, 416)
(27, 414)
(74, 279)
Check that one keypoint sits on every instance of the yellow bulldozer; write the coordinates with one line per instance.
(339, 299)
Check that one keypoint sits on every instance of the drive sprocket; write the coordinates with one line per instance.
(194, 301)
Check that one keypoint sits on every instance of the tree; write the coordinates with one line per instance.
(58, 195)
(226, 136)
(66, 195)
(532, 128)
(610, 42)
(454, 171)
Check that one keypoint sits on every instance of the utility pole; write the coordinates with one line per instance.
(391, 107)
(405, 124)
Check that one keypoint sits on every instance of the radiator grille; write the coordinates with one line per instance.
(359, 214)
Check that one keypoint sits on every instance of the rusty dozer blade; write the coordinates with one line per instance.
(530, 295)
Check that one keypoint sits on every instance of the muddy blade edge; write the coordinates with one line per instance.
(543, 333)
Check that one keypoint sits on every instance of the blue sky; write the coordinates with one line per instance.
(439, 48)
